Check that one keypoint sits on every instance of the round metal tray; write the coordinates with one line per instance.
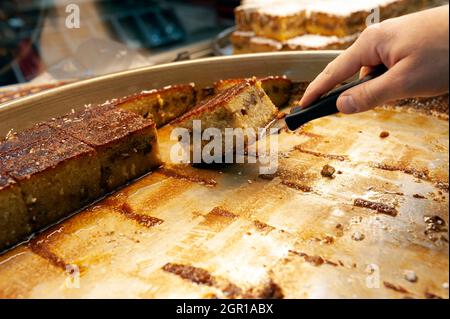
(22, 113)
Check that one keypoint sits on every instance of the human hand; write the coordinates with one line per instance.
(415, 49)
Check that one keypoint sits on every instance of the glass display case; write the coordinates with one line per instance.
(62, 40)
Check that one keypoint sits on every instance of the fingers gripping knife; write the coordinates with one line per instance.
(326, 105)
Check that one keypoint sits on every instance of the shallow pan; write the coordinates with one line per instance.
(22, 113)
(376, 229)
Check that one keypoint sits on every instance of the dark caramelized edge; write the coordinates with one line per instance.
(37, 133)
(44, 155)
(102, 125)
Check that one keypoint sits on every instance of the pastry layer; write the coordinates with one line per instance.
(319, 42)
(244, 42)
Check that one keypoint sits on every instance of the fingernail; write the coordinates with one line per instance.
(348, 105)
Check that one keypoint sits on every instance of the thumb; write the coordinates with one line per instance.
(366, 96)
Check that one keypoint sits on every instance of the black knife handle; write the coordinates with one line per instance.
(326, 105)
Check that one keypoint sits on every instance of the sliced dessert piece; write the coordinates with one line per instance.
(126, 143)
(162, 105)
(14, 221)
(278, 88)
(244, 105)
(56, 175)
(18, 140)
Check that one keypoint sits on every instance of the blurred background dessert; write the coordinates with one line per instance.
(51, 42)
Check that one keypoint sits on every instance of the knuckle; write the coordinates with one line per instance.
(371, 33)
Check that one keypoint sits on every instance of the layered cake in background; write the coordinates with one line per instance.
(291, 25)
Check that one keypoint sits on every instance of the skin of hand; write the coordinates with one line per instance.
(415, 49)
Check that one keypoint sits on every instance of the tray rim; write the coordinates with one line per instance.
(23, 105)
(241, 57)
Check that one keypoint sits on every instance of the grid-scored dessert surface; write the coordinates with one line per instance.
(296, 234)
(43, 155)
(102, 125)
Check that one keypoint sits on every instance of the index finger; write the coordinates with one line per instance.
(362, 53)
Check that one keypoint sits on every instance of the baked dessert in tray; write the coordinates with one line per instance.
(61, 165)
(186, 232)
(243, 105)
(57, 167)
(56, 174)
(345, 186)
(161, 105)
(124, 142)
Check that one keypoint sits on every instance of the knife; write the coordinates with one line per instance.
(326, 105)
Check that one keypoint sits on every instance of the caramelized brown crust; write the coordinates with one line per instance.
(22, 163)
(37, 133)
(64, 164)
(194, 274)
(101, 125)
(381, 208)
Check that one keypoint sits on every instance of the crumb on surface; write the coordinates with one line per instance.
(384, 134)
(328, 171)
